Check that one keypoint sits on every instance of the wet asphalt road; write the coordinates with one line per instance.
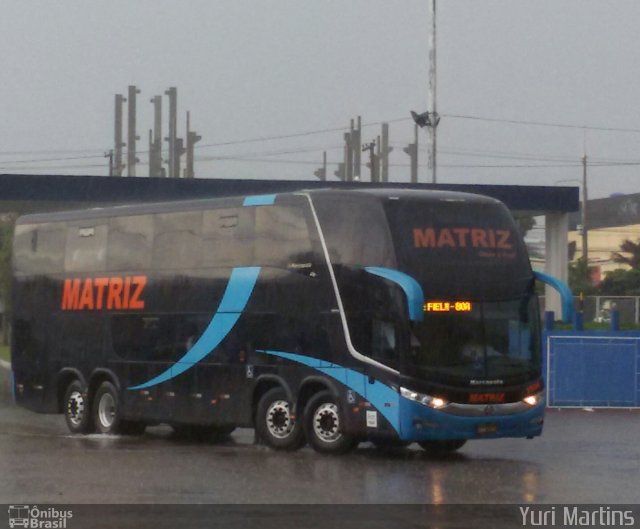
(583, 457)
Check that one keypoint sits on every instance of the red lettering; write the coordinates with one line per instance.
(139, 282)
(100, 283)
(445, 239)
(86, 298)
(424, 238)
(462, 236)
(70, 294)
(103, 292)
(127, 292)
(114, 297)
(503, 239)
(492, 238)
(485, 398)
(478, 238)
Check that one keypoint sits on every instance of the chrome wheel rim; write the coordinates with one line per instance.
(279, 421)
(107, 410)
(326, 423)
(75, 408)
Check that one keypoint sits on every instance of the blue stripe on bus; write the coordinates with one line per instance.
(412, 289)
(259, 200)
(385, 399)
(235, 298)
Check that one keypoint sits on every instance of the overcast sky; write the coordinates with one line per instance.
(262, 69)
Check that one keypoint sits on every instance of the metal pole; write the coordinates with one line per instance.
(118, 143)
(173, 111)
(585, 236)
(131, 132)
(356, 139)
(431, 95)
(384, 163)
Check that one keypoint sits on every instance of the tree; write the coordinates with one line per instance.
(6, 239)
(623, 282)
(628, 247)
(580, 277)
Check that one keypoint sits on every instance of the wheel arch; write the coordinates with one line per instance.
(314, 384)
(266, 383)
(64, 378)
(100, 375)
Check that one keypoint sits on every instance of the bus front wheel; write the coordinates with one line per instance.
(106, 409)
(275, 422)
(77, 414)
(323, 425)
(442, 447)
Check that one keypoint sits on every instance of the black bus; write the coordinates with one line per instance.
(328, 317)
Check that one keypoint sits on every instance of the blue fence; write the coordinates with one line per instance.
(592, 369)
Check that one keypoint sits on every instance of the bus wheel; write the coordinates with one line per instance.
(76, 408)
(275, 423)
(106, 409)
(442, 447)
(323, 425)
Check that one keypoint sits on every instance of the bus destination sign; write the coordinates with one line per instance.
(447, 306)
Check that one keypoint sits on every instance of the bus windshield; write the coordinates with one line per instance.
(480, 312)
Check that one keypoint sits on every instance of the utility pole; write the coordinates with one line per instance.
(384, 153)
(192, 139)
(109, 154)
(348, 154)
(585, 232)
(131, 132)
(412, 151)
(322, 172)
(356, 138)
(155, 140)
(118, 143)
(173, 110)
(371, 146)
(431, 95)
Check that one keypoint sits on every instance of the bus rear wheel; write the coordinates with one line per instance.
(77, 414)
(275, 422)
(106, 409)
(442, 447)
(323, 425)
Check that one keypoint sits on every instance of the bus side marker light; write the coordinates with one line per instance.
(196, 395)
(214, 401)
(170, 394)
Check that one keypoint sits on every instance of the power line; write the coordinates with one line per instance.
(541, 123)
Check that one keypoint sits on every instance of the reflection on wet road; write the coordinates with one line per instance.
(582, 457)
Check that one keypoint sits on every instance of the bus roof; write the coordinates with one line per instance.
(237, 201)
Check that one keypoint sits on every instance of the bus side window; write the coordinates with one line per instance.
(227, 237)
(86, 247)
(282, 237)
(39, 248)
(177, 240)
(130, 242)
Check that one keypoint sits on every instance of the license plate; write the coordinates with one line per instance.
(487, 428)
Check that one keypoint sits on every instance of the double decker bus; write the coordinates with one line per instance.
(326, 317)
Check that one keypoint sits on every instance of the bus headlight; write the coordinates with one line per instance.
(426, 400)
(534, 400)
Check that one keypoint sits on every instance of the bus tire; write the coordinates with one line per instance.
(106, 409)
(441, 447)
(323, 423)
(77, 413)
(275, 423)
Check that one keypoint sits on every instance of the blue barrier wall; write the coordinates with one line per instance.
(592, 369)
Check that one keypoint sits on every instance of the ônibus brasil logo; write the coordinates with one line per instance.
(34, 517)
